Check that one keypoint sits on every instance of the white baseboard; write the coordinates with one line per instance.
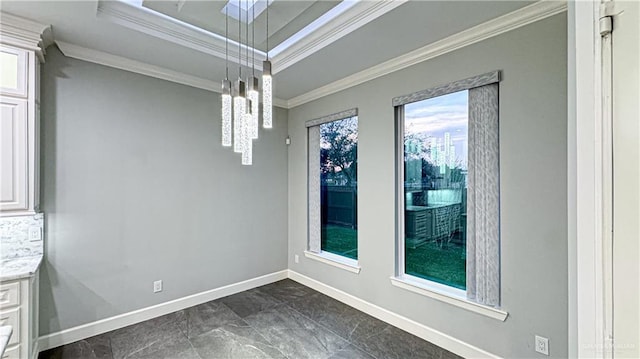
(105, 325)
(438, 338)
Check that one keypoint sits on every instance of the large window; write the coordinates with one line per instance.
(448, 188)
(333, 185)
(435, 173)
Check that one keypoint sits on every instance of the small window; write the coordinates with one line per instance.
(339, 187)
(333, 185)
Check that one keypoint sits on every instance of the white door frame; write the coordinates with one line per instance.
(626, 177)
(589, 177)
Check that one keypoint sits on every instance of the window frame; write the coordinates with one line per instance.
(333, 259)
(400, 270)
(400, 274)
(401, 279)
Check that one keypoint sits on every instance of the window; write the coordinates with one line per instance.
(448, 188)
(435, 172)
(333, 186)
(245, 10)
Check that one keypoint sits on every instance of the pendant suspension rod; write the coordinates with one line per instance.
(247, 18)
(253, 41)
(239, 43)
(267, 29)
(226, 42)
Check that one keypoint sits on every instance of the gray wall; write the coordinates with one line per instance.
(533, 143)
(136, 188)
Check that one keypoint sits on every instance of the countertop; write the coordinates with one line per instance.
(18, 268)
(431, 206)
(5, 335)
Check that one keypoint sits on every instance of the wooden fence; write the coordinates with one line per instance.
(340, 205)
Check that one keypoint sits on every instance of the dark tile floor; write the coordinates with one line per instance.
(280, 320)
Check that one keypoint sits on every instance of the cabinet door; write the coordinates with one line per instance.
(13, 154)
(12, 317)
(13, 71)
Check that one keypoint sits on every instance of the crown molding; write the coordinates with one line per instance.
(178, 32)
(352, 19)
(123, 63)
(143, 68)
(24, 33)
(511, 21)
(181, 33)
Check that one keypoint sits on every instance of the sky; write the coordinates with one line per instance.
(435, 116)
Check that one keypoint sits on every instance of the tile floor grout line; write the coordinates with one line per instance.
(194, 348)
(387, 325)
(288, 304)
(331, 331)
(251, 326)
(265, 338)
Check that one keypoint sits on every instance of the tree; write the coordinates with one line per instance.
(339, 149)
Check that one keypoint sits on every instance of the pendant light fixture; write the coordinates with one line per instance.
(239, 98)
(267, 85)
(253, 94)
(240, 101)
(247, 118)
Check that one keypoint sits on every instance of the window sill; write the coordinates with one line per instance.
(448, 295)
(335, 260)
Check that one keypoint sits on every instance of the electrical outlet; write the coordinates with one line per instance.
(296, 258)
(157, 286)
(542, 345)
(35, 233)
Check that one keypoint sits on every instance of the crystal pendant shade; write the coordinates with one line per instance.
(226, 114)
(254, 99)
(247, 142)
(240, 111)
(267, 96)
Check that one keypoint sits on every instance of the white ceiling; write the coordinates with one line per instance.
(395, 29)
(408, 27)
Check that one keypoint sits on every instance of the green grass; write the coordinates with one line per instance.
(340, 240)
(445, 265)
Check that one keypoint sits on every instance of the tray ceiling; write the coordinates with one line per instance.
(187, 46)
(285, 17)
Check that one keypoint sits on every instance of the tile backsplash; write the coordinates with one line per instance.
(14, 236)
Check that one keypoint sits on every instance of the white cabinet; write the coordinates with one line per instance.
(19, 308)
(13, 154)
(22, 48)
(19, 117)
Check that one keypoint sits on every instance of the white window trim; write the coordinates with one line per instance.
(446, 294)
(338, 261)
(431, 289)
(333, 259)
